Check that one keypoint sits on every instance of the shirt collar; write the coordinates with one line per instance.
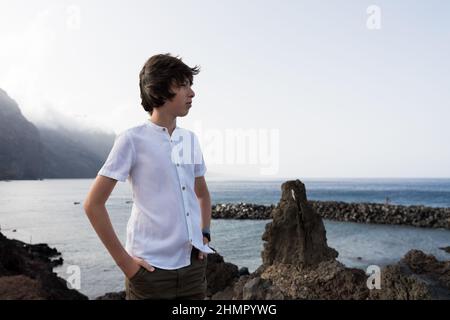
(158, 127)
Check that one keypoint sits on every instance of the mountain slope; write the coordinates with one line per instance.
(30, 152)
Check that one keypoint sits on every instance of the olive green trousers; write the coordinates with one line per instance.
(184, 283)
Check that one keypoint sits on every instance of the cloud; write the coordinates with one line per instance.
(26, 74)
(23, 62)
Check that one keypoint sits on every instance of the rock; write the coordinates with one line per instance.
(112, 296)
(243, 271)
(428, 267)
(327, 280)
(225, 294)
(20, 288)
(219, 274)
(396, 284)
(241, 211)
(261, 289)
(25, 267)
(446, 249)
(419, 216)
(417, 276)
(298, 264)
(296, 234)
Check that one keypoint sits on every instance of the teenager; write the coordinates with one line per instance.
(168, 231)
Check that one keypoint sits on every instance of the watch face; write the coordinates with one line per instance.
(207, 236)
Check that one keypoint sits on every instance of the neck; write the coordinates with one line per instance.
(164, 120)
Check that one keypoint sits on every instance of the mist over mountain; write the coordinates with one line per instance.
(57, 148)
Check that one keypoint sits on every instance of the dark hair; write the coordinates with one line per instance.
(157, 77)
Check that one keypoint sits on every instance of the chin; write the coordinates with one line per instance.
(184, 114)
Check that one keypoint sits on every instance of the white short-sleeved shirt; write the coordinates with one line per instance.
(165, 221)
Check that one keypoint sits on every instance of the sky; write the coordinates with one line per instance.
(329, 89)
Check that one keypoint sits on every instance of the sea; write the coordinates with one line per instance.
(51, 211)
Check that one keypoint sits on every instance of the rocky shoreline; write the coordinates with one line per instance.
(297, 262)
(26, 273)
(417, 216)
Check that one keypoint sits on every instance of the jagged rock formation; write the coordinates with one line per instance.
(26, 273)
(296, 234)
(416, 276)
(298, 264)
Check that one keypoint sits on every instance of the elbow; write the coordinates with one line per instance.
(88, 207)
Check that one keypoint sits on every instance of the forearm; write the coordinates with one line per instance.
(99, 218)
(205, 207)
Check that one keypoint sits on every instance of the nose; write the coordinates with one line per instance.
(191, 93)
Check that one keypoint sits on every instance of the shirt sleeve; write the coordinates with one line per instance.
(120, 159)
(199, 164)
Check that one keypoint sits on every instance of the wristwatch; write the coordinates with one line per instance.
(207, 235)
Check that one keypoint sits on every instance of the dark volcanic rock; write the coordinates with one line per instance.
(446, 249)
(428, 266)
(243, 271)
(326, 280)
(296, 234)
(112, 296)
(241, 211)
(20, 288)
(219, 274)
(298, 264)
(416, 276)
(26, 271)
(417, 216)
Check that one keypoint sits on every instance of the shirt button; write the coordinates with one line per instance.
(164, 129)
(178, 164)
(183, 188)
(187, 213)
